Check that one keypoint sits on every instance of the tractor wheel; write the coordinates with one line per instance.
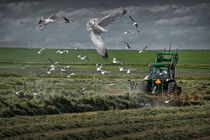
(171, 87)
(145, 86)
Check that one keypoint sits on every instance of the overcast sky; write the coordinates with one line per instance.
(185, 23)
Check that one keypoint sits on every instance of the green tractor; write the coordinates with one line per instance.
(161, 76)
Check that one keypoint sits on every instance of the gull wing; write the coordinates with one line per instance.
(132, 19)
(99, 44)
(40, 27)
(60, 19)
(111, 18)
(51, 61)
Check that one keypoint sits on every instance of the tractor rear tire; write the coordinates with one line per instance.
(145, 86)
(171, 87)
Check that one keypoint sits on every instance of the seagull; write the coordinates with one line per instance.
(131, 84)
(129, 70)
(53, 18)
(58, 51)
(18, 93)
(99, 68)
(67, 74)
(122, 68)
(104, 71)
(115, 61)
(83, 88)
(168, 101)
(53, 64)
(24, 66)
(39, 52)
(96, 26)
(35, 91)
(82, 57)
(128, 32)
(135, 24)
(141, 51)
(127, 45)
(48, 70)
(64, 68)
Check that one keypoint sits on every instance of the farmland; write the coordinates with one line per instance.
(107, 108)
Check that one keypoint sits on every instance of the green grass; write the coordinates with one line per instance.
(13, 55)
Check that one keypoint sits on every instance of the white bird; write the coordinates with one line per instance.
(127, 45)
(115, 61)
(104, 71)
(53, 18)
(48, 70)
(122, 68)
(24, 66)
(40, 51)
(35, 91)
(96, 26)
(141, 51)
(99, 68)
(82, 57)
(18, 93)
(53, 64)
(131, 84)
(67, 74)
(129, 70)
(65, 51)
(135, 23)
(63, 68)
(128, 32)
(168, 101)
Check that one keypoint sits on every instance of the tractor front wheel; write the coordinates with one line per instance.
(171, 87)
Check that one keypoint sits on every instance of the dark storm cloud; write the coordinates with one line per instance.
(185, 23)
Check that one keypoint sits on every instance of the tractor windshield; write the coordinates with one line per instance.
(159, 72)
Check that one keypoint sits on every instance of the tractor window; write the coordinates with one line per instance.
(161, 72)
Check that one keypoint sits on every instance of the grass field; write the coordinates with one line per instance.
(107, 108)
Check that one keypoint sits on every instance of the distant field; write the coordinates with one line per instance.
(17, 55)
(194, 63)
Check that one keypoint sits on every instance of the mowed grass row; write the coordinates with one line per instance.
(20, 55)
(146, 123)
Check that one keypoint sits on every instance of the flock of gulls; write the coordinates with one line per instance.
(96, 26)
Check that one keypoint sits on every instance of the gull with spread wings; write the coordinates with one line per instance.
(51, 19)
(135, 24)
(96, 26)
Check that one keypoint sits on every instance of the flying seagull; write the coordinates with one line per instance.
(18, 93)
(135, 23)
(104, 71)
(53, 18)
(128, 32)
(96, 26)
(141, 51)
(115, 61)
(40, 51)
(99, 68)
(53, 64)
(48, 70)
(127, 45)
(82, 57)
